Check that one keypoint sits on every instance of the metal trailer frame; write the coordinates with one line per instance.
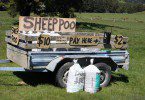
(43, 61)
(27, 55)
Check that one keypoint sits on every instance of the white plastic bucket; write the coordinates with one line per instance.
(92, 78)
(75, 81)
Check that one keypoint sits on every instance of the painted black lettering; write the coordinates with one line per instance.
(96, 41)
(50, 24)
(72, 25)
(61, 23)
(44, 23)
(40, 41)
(46, 41)
(89, 40)
(37, 23)
(75, 41)
(78, 39)
(55, 21)
(66, 25)
(71, 40)
(29, 22)
(84, 40)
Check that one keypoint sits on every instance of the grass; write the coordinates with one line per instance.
(125, 84)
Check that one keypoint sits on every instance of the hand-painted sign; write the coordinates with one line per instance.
(84, 41)
(43, 41)
(118, 41)
(44, 23)
(15, 36)
(62, 39)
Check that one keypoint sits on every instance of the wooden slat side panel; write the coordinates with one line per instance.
(22, 45)
(68, 34)
(34, 38)
(27, 41)
(18, 58)
(66, 45)
(17, 49)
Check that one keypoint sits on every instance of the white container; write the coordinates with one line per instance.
(92, 78)
(75, 81)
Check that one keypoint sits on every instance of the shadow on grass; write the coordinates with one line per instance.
(91, 26)
(36, 78)
(119, 78)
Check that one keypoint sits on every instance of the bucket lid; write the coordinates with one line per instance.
(76, 66)
(91, 67)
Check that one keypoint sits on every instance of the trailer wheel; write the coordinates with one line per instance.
(105, 74)
(62, 74)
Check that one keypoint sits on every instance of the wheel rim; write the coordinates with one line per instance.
(64, 79)
(102, 76)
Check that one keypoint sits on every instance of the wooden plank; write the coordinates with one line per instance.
(15, 38)
(44, 23)
(23, 37)
(61, 39)
(43, 41)
(66, 35)
(22, 45)
(17, 49)
(78, 40)
(78, 33)
(15, 30)
(101, 45)
(34, 38)
(19, 58)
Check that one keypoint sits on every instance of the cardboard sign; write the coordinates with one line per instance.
(43, 41)
(84, 41)
(118, 41)
(15, 36)
(61, 39)
(45, 23)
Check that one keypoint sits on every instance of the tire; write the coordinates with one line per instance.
(61, 75)
(105, 74)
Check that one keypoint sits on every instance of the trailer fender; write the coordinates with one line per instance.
(59, 61)
(109, 61)
(52, 65)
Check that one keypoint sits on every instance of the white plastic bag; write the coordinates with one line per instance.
(92, 78)
(75, 81)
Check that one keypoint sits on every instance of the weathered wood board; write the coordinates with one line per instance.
(44, 23)
(70, 40)
(66, 45)
(78, 40)
(43, 41)
(17, 55)
(15, 38)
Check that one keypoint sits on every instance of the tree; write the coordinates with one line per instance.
(63, 8)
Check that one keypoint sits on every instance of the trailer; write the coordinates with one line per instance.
(55, 51)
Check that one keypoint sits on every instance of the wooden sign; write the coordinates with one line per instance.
(15, 36)
(84, 41)
(43, 41)
(62, 39)
(45, 23)
(118, 41)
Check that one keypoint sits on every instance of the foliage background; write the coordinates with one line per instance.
(66, 8)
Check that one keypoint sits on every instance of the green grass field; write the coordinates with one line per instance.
(125, 84)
